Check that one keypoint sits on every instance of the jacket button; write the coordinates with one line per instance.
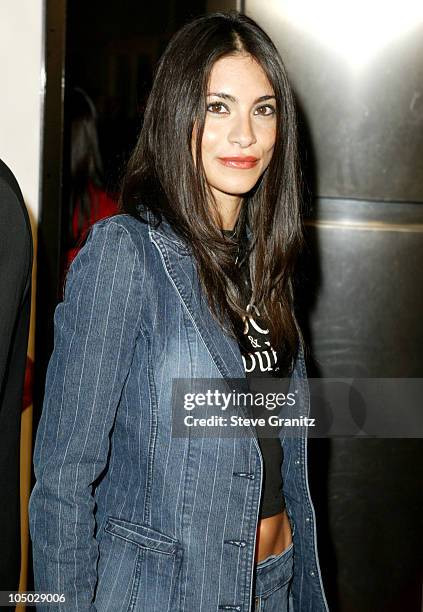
(249, 475)
(297, 461)
(240, 543)
(308, 519)
(312, 573)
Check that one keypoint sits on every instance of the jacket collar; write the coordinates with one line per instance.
(169, 235)
(180, 267)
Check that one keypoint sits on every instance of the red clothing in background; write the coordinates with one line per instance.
(102, 205)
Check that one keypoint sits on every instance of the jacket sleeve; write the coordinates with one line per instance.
(95, 332)
(15, 271)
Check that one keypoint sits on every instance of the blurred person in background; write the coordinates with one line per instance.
(16, 252)
(89, 202)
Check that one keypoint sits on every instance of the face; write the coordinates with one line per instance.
(240, 127)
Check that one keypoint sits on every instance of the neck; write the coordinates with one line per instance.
(228, 208)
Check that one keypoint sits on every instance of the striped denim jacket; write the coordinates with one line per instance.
(124, 515)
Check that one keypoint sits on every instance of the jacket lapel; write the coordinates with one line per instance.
(180, 267)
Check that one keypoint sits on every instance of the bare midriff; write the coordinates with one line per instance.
(273, 536)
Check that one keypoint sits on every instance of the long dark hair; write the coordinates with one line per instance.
(163, 176)
(85, 160)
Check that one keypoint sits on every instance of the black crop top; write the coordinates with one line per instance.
(261, 360)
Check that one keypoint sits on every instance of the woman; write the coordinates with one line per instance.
(89, 202)
(125, 515)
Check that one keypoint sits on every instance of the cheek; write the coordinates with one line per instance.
(212, 137)
(268, 141)
(270, 138)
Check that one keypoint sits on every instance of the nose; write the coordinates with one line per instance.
(242, 132)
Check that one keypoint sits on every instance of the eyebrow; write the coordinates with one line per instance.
(226, 96)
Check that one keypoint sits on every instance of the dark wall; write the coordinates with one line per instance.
(111, 51)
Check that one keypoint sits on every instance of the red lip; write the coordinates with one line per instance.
(242, 162)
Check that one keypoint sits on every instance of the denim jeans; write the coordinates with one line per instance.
(272, 580)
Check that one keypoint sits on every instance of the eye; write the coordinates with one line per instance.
(218, 108)
(266, 110)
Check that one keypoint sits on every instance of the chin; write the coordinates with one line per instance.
(235, 188)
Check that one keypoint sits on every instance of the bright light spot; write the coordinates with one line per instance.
(357, 29)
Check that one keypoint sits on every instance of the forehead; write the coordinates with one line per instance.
(237, 74)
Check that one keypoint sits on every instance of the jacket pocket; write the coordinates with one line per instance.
(141, 535)
(139, 568)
